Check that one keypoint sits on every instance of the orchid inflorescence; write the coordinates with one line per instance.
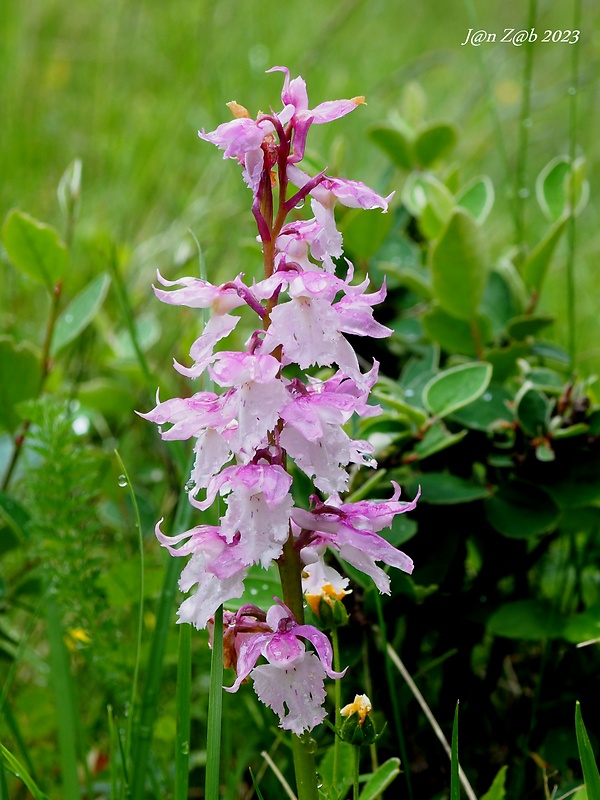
(265, 418)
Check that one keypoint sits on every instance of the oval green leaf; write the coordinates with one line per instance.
(80, 312)
(520, 510)
(395, 144)
(477, 198)
(35, 248)
(20, 375)
(538, 261)
(456, 387)
(550, 188)
(443, 488)
(532, 411)
(458, 264)
(533, 620)
(435, 142)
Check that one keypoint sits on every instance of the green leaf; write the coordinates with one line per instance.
(14, 765)
(521, 327)
(80, 312)
(454, 765)
(583, 627)
(532, 411)
(402, 529)
(578, 188)
(35, 248)
(435, 142)
(395, 144)
(488, 411)
(456, 335)
(20, 375)
(260, 587)
(345, 766)
(456, 387)
(459, 266)
(423, 192)
(591, 775)
(497, 790)
(498, 303)
(13, 513)
(443, 488)
(550, 188)
(380, 779)
(520, 510)
(437, 438)
(552, 351)
(504, 359)
(579, 485)
(533, 620)
(537, 262)
(365, 233)
(477, 197)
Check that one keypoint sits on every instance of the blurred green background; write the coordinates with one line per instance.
(125, 85)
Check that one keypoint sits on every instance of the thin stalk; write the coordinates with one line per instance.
(338, 704)
(183, 706)
(393, 694)
(521, 191)
(356, 773)
(571, 229)
(140, 622)
(432, 720)
(112, 752)
(284, 784)
(215, 710)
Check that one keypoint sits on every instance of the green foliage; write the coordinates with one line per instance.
(35, 248)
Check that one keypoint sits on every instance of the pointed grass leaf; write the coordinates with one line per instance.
(35, 248)
(435, 142)
(521, 510)
(497, 790)
(536, 264)
(531, 620)
(456, 387)
(380, 779)
(13, 765)
(80, 312)
(477, 198)
(456, 335)
(20, 376)
(591, 775)
(458, 262)
(395, 144)
(454, 765)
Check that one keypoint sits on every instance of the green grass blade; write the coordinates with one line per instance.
(112, 753)
(586, 754)
(454, 775)
(65, 702)
(215, 709)
(140, 624)
(183, 706)
(256, 787)
(18, 770)
(3, 784)
(13, 727)
(150, 695)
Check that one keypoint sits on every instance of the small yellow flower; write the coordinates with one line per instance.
(77, 638)
(361, 705)
(328, 593)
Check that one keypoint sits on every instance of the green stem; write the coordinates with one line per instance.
(338, 704)
(215, 711)
(356, 773)
(573, 92)
(521, 191)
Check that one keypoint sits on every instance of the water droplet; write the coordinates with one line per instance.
(68, 318)
(300, 204)
(523, 192)
(571, 90)
(122, 481)
(190, 486)
(487, 396)
(409, 393)
(253, 591)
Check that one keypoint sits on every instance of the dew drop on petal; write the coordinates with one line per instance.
(122, 481)
(190, 486)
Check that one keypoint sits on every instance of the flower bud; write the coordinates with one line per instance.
(358, 728)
